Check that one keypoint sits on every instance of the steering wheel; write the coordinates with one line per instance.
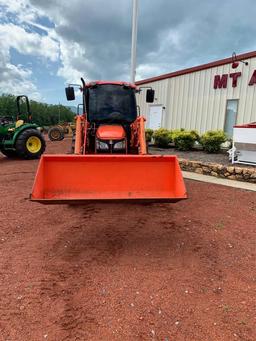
(115, 115)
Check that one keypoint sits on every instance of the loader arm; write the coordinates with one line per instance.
(138, 136)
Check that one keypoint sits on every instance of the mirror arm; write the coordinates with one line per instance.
(83, 82)
(77, 85)
(145, 87)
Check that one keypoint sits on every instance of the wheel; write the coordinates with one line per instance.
(56, 134)
(9, 153)
(30, 144)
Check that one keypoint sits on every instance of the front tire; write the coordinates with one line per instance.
(56, 134)
(30, 144)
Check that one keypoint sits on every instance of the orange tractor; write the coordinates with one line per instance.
(110, 160)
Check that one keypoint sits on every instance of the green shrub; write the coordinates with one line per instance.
(211, 141)
(184, 139)
(149, 134)
(175, 132)
(195, 134)
(162, 138)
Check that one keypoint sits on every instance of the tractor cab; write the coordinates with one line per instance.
(111, 110)
(111, 103)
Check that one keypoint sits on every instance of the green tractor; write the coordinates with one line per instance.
(20, 137)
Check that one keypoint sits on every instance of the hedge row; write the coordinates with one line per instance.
(184, 140)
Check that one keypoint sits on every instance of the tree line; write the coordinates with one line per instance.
(43, 114)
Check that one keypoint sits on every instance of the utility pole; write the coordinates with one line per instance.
(135, 12)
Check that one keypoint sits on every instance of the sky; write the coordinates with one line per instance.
(46, 44)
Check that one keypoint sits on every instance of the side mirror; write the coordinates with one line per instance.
(70, 93)
(150, 97)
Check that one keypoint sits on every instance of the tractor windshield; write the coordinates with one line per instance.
(111, 103)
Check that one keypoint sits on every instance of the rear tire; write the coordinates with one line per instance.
(56, 134)
(30, 144)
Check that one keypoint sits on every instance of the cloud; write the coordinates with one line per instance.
(92, 38)
(20, 10)
(18, 79)
(28, 43)
(73, 59)
(171, 34)
(95, 46)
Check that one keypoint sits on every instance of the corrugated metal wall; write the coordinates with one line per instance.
(191, 101)
(161, 97)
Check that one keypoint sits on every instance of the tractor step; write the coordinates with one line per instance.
(83, 178)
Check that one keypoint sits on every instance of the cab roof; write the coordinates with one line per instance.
(130, 85)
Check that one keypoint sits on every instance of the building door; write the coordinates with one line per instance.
(231, 115)
(155, 116)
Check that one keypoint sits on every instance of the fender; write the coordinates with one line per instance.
(10, 143)
(22, 128)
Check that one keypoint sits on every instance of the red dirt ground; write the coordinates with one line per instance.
(170, 272)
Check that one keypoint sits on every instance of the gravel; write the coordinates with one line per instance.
(197, 155)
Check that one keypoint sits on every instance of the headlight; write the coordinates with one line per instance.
(120, 145)
(101, 145)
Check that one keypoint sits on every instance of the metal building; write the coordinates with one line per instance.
(212, 96)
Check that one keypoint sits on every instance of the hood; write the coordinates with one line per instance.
(110, 132)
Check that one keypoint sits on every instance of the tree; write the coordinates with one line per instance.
(43, 114)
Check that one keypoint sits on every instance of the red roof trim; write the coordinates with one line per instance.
(220, 62)
(111, 82)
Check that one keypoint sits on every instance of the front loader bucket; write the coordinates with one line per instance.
(81, 178)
